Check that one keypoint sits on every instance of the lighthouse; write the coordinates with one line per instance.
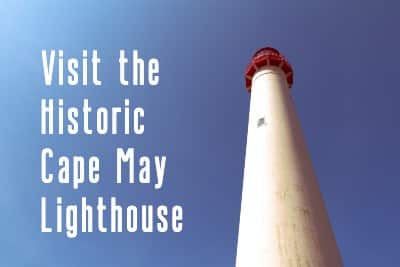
(283, 220)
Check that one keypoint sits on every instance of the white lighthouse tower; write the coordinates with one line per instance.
(283, 221)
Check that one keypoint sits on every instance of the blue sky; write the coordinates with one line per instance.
(344, 55)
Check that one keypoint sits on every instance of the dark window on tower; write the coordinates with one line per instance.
(260, 122)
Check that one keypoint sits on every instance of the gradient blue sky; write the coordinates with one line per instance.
(345, 56)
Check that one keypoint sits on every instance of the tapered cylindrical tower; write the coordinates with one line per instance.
(283, 221)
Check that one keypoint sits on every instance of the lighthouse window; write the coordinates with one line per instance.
(260, 122)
